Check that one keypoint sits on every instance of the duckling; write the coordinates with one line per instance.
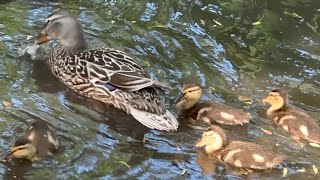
(292, 120)
(240, 154)
(210, 112)
(38, 142)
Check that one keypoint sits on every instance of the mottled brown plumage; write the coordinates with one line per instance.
(37, 143)
(211, 112)
(292, 120)
(240, 154)
(104, 74)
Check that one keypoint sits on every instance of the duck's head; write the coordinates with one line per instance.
(212, 139)
(22, 149)
(277, 98)
(62, 26)
(188, 97)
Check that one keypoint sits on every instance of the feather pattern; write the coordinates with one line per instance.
(113, 77)
(104, 74)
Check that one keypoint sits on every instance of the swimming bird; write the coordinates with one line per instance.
(38, 142)
(104, 74)
(210, 112)
(293, 120)
(240, 154)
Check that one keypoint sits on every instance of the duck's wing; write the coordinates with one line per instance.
(111, 68)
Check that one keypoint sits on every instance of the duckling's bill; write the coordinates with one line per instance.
(180, 97)
(8, 157)
(207, 138)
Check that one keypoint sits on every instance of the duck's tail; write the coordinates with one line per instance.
(164, 122)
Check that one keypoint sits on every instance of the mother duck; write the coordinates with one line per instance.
(104, 74)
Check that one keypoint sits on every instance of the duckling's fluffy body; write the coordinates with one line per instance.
(292, 120)
(239, 154)
(38, 142)
(210, 112)
(249, 155)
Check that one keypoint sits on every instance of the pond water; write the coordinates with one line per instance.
(233, 48)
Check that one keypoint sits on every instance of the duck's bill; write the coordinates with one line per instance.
(42, 38)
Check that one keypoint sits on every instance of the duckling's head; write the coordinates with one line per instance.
(278, 99)
(62, 26)
(188, 97)
(22, 149)
(212, 139)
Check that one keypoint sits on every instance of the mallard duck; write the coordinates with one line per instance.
(210, 112)
(239, 154)
(104, 74)
(38, 142)
(291, 119)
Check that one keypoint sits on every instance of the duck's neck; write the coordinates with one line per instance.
(184, 106)
(276, 107)
(75, 43)
(69, 46)
(213, 148)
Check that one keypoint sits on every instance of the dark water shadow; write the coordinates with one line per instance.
(116, 119)
(44, 79)
(16, 169)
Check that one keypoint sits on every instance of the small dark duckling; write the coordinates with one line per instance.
(188, 104)
(240, 154)
(37, 143)
(291, 119)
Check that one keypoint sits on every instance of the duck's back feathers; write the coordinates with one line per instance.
(212, 112)
(111, 76)
(249, 155)
(107, 67)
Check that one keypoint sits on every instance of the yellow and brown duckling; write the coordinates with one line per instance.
(240, 154)
(188, 105)
(291, 119)
(37, 143)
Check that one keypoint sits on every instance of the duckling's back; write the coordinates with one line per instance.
(42, 138)
(212, 112)
(250, 155)
(297, 122)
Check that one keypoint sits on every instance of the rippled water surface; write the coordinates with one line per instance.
(233, 48)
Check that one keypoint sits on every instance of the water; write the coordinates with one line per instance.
(238, 48)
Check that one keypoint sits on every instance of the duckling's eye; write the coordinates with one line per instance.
(209, 133)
